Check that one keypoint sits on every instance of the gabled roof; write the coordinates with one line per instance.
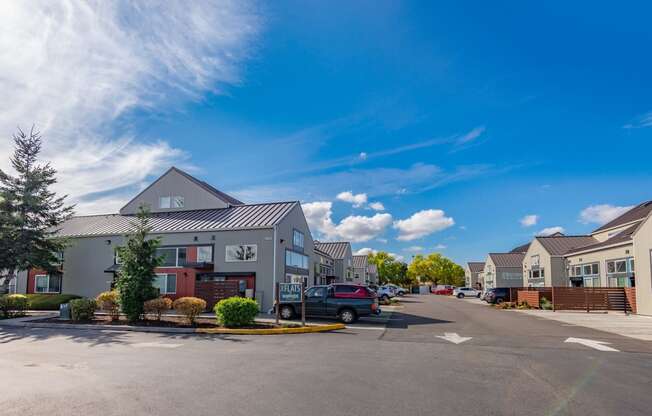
(507, 259)
(622, 237)
(521, 249)
(336, 250)
(322, 253)
(372, 268)
(560, 245)
(209, 188)
(233, 218)
(476, 266)
(360, 262)
(228, 199)
(637, 213)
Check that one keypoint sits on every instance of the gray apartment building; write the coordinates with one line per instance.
(211, 243)
(342, 256)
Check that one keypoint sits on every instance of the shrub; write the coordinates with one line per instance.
(158, 306)
(236, 311)
(13, 305)
(47, 302)
(190, 307)
(109, 302)
(82, 309)
(523, 305)
(506, 305)
(545, 304)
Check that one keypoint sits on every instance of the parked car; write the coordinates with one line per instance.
(400, 291)
(442, 290)
(384, 293)
(347, 290)
(497, 295)
(462, 292)
(323, 301)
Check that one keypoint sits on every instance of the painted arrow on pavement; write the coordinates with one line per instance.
(453, 337)
(598, 345)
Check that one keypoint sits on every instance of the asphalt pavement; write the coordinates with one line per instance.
(434, 356)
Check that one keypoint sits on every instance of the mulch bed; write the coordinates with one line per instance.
(165, 322)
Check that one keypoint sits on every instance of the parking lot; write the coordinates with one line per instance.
(433, 355)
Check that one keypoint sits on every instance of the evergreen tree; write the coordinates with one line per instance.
(138, 260)
(30, 212)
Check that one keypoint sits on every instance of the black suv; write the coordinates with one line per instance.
(497, 295)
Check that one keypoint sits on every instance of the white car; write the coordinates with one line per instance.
(398, 289)
(462, 292)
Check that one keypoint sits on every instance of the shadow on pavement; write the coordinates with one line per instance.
(404, 320)
(95, 338)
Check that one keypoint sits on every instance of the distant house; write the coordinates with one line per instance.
(544, 263)
(363, 271)
(473, 272)
(324, 268)
(210, 242)
(609, 260)
(342, 256)
(503, 270)
(373, 274)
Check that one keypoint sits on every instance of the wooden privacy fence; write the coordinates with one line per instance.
(533, 297)
(594, 299)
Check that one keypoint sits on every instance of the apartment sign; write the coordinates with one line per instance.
(290, 292)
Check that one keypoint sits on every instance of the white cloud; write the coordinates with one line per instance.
(550, 231)
(377, 206)
(355, 228)
(413, 249)
(365, 251)
(358, 228)
(529, 220)
(422, 223)
(382, 240)
(78, 70)
(441, 247)
(601, 214)
(357, 200)
(471, 136)
(362, 156)
(642, 121)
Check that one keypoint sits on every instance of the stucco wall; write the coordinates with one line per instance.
(643, 267)
(601, 257)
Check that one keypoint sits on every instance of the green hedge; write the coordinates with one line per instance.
(48, 302)
(83, 309)
(12, 306)
(236, 311)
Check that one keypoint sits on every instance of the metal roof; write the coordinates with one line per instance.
(322, 253)
(521, 249)
(336, 250)
(507, 259)
(622, 237)
(560, 245)
(476, 266)
(639, 212)
(224, 219)
(360, 262)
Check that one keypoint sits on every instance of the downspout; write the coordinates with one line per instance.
(274, 273)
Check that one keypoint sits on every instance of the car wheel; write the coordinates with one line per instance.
(348, 316)
(477, 296)
(460, 296)
(401, 294)
(287, 312)
(499, 301)
(384, 298)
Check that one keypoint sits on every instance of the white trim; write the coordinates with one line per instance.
(166, 283)
(36, 276)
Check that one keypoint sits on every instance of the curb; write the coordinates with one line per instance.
(272, 331)
(217, 331)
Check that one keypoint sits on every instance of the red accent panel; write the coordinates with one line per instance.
(31, 281)
(191, 254)
(185, 280)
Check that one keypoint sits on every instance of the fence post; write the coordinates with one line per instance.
(625, 300)
(553, 299)
(586, 299)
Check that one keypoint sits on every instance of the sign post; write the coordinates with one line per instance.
(276, 303)
(303, 304)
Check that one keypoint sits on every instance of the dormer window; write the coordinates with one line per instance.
(167, 202)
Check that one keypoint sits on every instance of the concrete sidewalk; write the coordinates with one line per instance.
(632, 326)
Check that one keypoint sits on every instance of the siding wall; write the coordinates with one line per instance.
(643, 265)
(601, 257)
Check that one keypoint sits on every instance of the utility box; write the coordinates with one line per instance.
(64, 311)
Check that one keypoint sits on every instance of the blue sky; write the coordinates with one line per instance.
(470, 115)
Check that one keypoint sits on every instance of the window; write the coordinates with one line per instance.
(535, 260)
(177, 202)
(620, 272)
(164, 202)
(294, 259)
(242, 252)
(297, 239)
(172, 256)
(205, 254)
(166, 283)
(44, 283)
(316, 292)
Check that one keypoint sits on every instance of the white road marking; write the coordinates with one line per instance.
(375, 328)
(454, 337)
(598, 345)
(155, 345)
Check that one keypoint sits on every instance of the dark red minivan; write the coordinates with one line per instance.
(350, 291)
